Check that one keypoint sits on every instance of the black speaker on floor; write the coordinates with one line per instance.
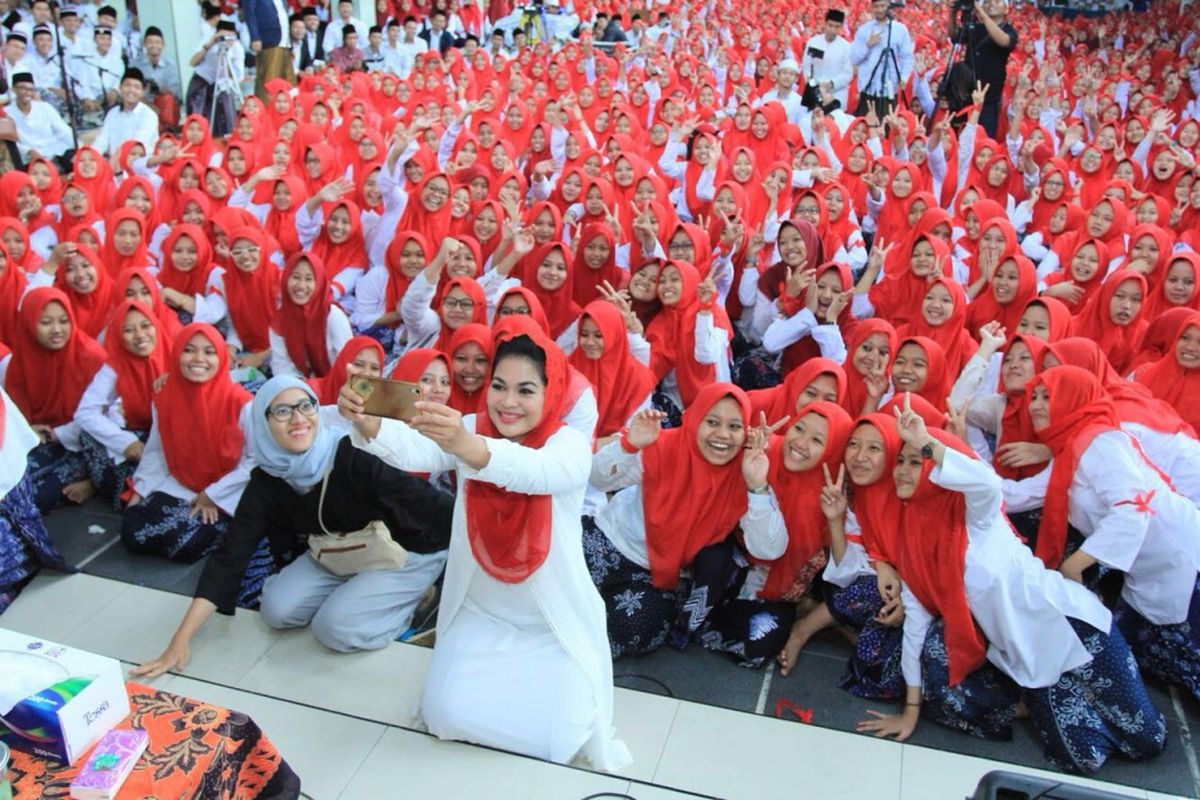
(1001, 785)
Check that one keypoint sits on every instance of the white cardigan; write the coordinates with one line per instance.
(561, 587)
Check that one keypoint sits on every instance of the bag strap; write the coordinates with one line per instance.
(321, 501)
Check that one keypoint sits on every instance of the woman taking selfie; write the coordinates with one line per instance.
(522, 659)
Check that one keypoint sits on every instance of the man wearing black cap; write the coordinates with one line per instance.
(132, 119)
(163, 91)
(377, 58)
(15, 60)
(348, 57)
(37, 129)
(826, 58)
(313, 49)
(219, 70)
(268, 24)
(100, 72)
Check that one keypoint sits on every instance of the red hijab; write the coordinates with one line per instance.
(350, 253)
(100, 188)
(933, 547)
(510, 531)
(672, 336)
(194, 281)
(434, 226)
(330, 386)
(478, 313)
(688, 503)
(398, 282)
(780, 402)
(281, 225)
(987, 307)
(91, 309)
(47, 384)
(875, 505)
(1157, 303)
(1015, 424)
(798, 496)
(1079, 410)
(559, 304)
(252, 297)
(303, 327)
(951, 335)
(114, 261)
(198, 422)
(621, 382)
(12, 288)
(585, 279)
(135, 374)
(1119, 342)
(168, 322)
(898, 297)
(471, 333)
(1168, 380)
(856, 385)
(938, 381)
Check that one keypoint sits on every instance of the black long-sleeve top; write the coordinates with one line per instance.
(361, 488)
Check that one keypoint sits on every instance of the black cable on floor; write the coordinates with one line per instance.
(640, 677)
(617, 795)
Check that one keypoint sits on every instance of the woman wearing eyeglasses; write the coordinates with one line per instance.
(294, 449)
(195, 462)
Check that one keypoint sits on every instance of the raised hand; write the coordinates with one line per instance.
(909, 424)
(838, 305)
(993, 336)
(833, 495)
(1023, 454)
(956, 419)
(798, 280)
(981, 90)
(644, 428)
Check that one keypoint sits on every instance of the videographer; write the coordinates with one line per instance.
(882, 51)
(990, 38)
(826, 57)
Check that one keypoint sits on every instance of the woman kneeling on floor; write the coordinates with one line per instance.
(299, 458)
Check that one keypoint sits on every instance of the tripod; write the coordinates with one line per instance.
(224, 86)
(963, 40)
(886, 59)
(72, 109)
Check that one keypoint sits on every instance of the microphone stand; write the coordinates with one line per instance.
(101, 71)
(62, 65)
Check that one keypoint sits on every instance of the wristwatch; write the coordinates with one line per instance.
(927, 451)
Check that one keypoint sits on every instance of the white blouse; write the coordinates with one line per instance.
(153, 475)
(561, 587)
(1132, 522)
(1021, 607)
(337, 333)
(102, 415)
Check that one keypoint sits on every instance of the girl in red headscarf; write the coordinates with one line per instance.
(362, 355)
(12, 288)
(1131, 519)
(1010, 287)
(595, 264)
(114, 412)
(184, 276)
(250, 288)
(818, 379)
(678, 495)
(920, 367)
(379, 293)
(961, 563)
(52, 362)
(868, 365)
(899, 295)
(91, 289)
(943, 314)
(308, 330)
(470, 352)
(1114, 319)
(515, 552)
(787, 547)
(1178, 288)
(331, 228)
(1081, 280)
(126, 241)
(1175, 377)
(91, 173)
(139, 285)
(611, 361)
(689, 338)
(196, 461)
(433, 311)
(820, 325)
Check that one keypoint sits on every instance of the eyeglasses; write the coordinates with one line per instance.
(509, 311)
(284, 412)
(437, 191)
(465, 305)
(245, 251)
(681, 247)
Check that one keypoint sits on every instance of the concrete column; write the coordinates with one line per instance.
(181, 26)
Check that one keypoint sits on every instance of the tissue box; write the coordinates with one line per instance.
(56, 701)
(109, 765)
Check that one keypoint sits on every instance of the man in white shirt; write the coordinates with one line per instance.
(40, 131)
(786, 92)
(40, 14)
(77, 41)
(882, 52)
(100, 72)
(15, 61)
(333, 31)
(376, 57)
(410, 47)
(220, 69)
(826, 57)
(132, 119)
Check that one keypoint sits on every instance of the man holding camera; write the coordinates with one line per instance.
(990, 38)
(883, 53)
(827, 58)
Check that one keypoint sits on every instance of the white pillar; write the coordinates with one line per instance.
(180, 24)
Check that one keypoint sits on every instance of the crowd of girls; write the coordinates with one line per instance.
(699, 371)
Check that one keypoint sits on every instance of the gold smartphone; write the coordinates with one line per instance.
(384, 398)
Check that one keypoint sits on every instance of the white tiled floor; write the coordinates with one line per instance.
(338, 719)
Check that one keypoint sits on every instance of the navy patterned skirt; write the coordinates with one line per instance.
(52, 468)
(874, 670)
(983, 704)
(1169, 653)
(110, 478)
(25, 546)
(164, 525)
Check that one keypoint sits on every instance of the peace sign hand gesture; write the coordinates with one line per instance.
(909, 424)
(756, 466)
(833, 495)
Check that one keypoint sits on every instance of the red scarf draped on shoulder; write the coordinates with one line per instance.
(303, 328)
(688, 503)
(875, 505)
(47, 384)
(784, 400)
(856, 385)
(933, 548)
(253, 296)
(510, 532)
(1170, 380)
(330, 386)
(798, 495)
(672, 336)
(1120, 343)
(472, 333)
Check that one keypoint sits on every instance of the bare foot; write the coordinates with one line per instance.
(802, 630)
(79, 491)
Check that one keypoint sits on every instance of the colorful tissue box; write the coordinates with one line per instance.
(110, 763)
